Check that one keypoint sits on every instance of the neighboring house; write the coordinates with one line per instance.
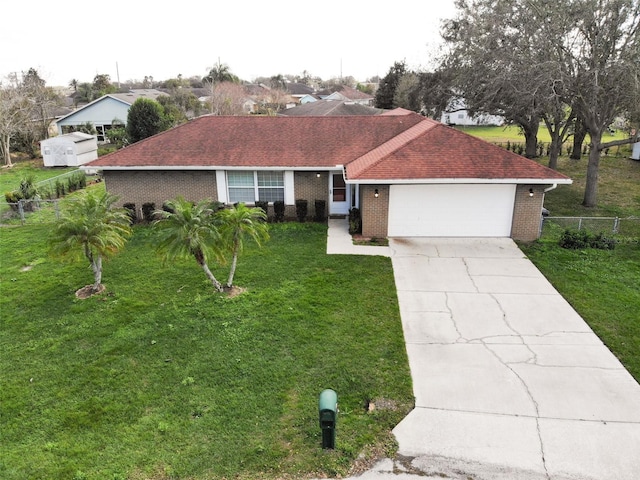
(69, 150)
(309, 98)
(348, 94)
(300, 91)
(457, 114)
(408, 175)
(102, 112)
(331, 107)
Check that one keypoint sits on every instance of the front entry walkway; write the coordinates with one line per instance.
(509, 381)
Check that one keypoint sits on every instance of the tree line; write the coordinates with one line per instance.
(572, 66)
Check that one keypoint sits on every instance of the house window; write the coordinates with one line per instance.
(249, 187)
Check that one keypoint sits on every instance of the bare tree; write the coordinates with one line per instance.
(227, 98)
(15, 117)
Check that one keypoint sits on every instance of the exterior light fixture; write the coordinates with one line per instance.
(318, 174)
(531, 192)
(376, 193)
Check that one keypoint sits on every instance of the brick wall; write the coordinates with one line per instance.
(310, 187)
(158, 186)
(374, 211)
(527, 213)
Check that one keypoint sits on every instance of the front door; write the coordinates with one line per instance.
(339, 195)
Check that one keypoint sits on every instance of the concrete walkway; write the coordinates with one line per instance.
(510, 382)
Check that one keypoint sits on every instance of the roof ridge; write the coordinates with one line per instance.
(371, 158)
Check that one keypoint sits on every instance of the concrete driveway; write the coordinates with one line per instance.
(509, 380)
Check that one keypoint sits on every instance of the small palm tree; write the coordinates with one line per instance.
(91, 226)
(237, 223)
(187, 230)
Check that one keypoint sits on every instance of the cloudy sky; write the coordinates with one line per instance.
(137, 38)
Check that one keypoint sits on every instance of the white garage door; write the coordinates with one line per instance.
(451, 210)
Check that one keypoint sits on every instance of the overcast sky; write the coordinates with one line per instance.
(137, 38)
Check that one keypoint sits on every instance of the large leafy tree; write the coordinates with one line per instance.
(532, 60)
(146, 117)
(600, 65)
(492, 48)
(91, 227)
(187, 230)
(385, 95)
(239, 223)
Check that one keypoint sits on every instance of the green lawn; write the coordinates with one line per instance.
(10, 178)
(511, 133)
(163, 378)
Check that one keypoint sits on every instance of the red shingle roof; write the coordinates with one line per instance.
(401, 146)
(256, 141)
(432, 150)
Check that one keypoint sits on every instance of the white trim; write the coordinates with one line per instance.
(218, 167)
(221, 186)
(517, 181)
(289, 188)
(523, 181)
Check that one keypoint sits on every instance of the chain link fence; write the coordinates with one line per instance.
(628, 227)
(29, 212)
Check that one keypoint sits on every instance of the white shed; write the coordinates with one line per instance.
(635, 154)
(70, 150)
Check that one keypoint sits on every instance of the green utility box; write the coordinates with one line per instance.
(328, 412)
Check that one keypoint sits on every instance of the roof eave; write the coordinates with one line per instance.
(518, 181)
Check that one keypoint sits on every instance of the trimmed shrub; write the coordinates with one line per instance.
(355, 221)
(264, 206)
(581, 239)
(278, 210)
(320, 206)
(131, 211)
(147, 211)
(301, 209)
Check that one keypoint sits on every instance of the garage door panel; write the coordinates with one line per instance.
(451, 210)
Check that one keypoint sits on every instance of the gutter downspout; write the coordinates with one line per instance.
(552, 187)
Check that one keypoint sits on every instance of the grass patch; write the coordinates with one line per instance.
(10, 177)
(512, 133)
(160, 377)
(370, 241)
(618, 189)
(603, 286)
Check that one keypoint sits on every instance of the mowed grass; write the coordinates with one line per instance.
(10, 178)
(163, 378)
(512, 133)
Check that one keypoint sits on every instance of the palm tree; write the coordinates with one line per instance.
(92, 227)
(188, 230)
(239, 222)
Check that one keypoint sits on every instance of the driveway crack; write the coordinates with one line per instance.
(533, 359)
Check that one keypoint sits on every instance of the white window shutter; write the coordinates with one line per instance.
(289, 190)
(221, 184)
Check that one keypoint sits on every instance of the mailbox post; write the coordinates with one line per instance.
(328, 412)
